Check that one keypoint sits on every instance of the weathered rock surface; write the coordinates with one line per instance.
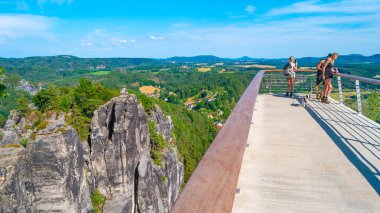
(164, 123)
(28, 87)
(122, 166)
(47, 176)
(12, 129)
(58, 173)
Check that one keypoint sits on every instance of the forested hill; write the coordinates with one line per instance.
(67, 62)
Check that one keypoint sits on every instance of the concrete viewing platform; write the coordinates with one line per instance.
(322, 158)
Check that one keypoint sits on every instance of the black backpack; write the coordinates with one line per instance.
(287, 68)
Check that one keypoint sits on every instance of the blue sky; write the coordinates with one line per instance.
(151, 28)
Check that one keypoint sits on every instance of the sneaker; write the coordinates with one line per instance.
(323, 99)
(287, 94)
(327, 100)
(318, 96)
(291, 94)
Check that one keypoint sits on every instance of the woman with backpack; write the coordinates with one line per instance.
(289, 72)
(328, 74)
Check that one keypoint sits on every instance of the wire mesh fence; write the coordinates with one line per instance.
(277, 83)
(360, 96)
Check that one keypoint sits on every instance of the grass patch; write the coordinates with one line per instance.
(42, 125)
(11, 145)
(33, 136)
(148, 90)
(97, 199)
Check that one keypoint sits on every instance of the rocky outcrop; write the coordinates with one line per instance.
(28, 87)
(122, 166)
(58, 173)
(49, 175)
(164, 123)
(12, 129)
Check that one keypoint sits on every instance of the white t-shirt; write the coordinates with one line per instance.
(293, 66)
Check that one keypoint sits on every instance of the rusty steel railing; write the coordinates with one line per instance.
(212, 186)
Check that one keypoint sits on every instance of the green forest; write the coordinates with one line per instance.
(197, 95)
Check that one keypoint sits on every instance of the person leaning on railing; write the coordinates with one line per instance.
(320, 78)
(328, 72)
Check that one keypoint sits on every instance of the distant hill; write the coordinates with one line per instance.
(197, 59)
(67, 62)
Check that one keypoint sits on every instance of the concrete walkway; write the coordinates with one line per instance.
(324, 158)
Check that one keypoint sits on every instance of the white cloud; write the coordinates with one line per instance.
(25, 26)
(156, 37)
(120, 42)
(309, 35)
(317, 7)
(250, 9)
(102, 40)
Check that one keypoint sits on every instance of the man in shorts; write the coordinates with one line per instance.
(320, 76)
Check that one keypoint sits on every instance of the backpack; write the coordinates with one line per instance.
(288, 68)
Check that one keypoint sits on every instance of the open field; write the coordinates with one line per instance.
(149, 90)
(102, 72)
(204, 69)
(261, 66)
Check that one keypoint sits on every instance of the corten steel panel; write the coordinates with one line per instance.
(212, 186)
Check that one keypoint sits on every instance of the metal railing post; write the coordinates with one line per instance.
(340, 90)
(311, 86)
(270, 83)
(357, 85)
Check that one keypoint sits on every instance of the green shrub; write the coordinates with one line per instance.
(42, 125)
(28, 127)
(164, 179)
(33, 136)
(24, 142)
(157, 143)
(193, 132)
(3, 120)
(97, 199)
(1, 134)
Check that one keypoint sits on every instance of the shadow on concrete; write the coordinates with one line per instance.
(356, 126)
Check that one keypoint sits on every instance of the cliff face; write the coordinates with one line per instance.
(48, 175)
(56, 172)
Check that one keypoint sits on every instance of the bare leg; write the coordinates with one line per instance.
(292, 84)
(289, 85)
(330, 89)
(324, 88)
(327, 90)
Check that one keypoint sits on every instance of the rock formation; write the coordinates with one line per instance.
(56, 172)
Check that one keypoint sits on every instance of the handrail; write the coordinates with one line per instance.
(212, 186)
(362, 79)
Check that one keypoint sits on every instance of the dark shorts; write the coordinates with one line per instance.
(329, 76)
(319, 80)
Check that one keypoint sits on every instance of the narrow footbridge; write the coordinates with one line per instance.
(277, 154)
